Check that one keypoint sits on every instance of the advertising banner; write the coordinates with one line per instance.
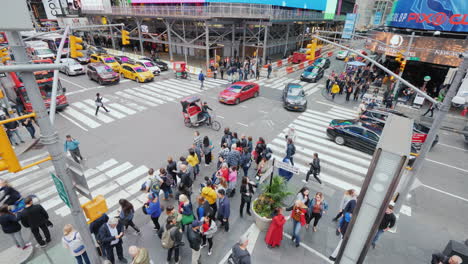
(349, 25)
(426, 49)
(54, 7)
(377, 18)
(315, 5)
(442, 15)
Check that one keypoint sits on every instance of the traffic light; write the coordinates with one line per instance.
(8, 159)
(104, 20)
(311, 50)
(400, 57)
(75, 47)
(125, 37)
(4, 55)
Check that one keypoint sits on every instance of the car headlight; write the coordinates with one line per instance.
(231, 98)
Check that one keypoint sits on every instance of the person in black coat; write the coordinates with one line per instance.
(247, 191)
(35, 216)
(110, 235)
(94, 229)
(10, 226)
(8, 194)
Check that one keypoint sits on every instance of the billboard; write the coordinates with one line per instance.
(308, 4)
(348, 28)
(434, 50)
(442, 15)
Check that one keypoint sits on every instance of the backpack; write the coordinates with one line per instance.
(74, 244)
(166, 240)
(155, 186)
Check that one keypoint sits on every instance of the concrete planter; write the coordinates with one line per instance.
(262, 223)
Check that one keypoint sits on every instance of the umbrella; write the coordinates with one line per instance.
(356, 63)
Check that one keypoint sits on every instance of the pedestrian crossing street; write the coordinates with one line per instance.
(113, 179)
(341, 166)
(278, 83)
(130, 101)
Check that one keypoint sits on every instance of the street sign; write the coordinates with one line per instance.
(61, 189)
(287, 167)
(75, 171)
(414, 58)
(418, 138)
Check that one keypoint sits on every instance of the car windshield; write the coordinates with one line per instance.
(109, 60)
(315, 70)
(139, 69)
(310, 69)
(234, 88)
(295, 93)
(148, 64)
(71, 62)
(44, 52)
(104, 69)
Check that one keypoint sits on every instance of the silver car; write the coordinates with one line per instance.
(72, 67)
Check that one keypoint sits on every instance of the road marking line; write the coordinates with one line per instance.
(71, 120)
(125, 80)
(222, 117)
(135, 98)
(119, 169)
(135, 92)
(77, 85)
(132, 175)
(444, 192)
(450, 146)
(333, 105)
(242, 124)
(310, 249)
(265, 112)
(106, 164)
(243, 106)
(81, 117)
(450, 166)
(90, 111)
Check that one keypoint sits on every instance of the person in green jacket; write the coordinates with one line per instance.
(139, 255)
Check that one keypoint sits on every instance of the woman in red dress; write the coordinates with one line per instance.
(275, 231)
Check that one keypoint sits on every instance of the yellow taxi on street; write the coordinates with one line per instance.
(106, 59)
(136, 72)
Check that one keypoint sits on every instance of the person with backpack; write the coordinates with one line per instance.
(201, 78)
(72, 240)
(185, 185)
(194, 238)
(240, 254)
(167, 182)
(226, 137)
(153, 183)
(246, 160)
(193, 160)
(126, 215)
(233, 157)
(153, 209)
(259, 148)
(208, 192)
(186, 210)
(224, 209)
(203, 209)
(10, 225)
(208, 229)
(171, 238)
(290, 150)
(222, 155)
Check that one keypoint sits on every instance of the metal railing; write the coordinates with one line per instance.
(213, 10)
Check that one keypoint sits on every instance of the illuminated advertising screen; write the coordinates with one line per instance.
(308, 4)
(442, 15)
(435, 50)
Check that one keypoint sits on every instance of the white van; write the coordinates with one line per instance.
(39, 50)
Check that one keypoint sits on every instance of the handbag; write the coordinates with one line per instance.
(247, 198)
(187, 219)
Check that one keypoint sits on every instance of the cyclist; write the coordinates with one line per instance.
(205, 113)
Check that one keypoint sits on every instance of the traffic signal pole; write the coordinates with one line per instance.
(50, 138)
(53, 97)
(436, 124)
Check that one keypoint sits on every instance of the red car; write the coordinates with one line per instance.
(239, 91)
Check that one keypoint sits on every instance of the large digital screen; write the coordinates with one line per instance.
(306, 4)
(441, 15)
(435, 50)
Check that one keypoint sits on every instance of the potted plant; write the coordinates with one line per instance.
(272, 196)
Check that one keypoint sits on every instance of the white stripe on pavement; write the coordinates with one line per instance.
(128, 103)
(122, 108)
(113, 113)
(149, 92)
(143, 96)
(71, 120)
(91, 112)
(106, 164)
(135, 98)
(119, 169)
(81, 117)
(132, 175)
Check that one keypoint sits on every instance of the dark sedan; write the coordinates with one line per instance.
(312, 74)
(102, 73)
(294, 97)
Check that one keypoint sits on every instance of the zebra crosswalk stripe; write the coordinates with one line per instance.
(91, 111)
(135, 98)
(77, 115)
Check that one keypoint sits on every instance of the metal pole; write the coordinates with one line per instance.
(50, 138)
(112, 37)
(207, 45)
(406, 53)
(243, 41)
(287, 39)
(53, 96)
(140, 37)
(185, 48)
(436, 124)
(421, 93)
(265, 42)
(272, 171)
(233, 38)
(168, 27)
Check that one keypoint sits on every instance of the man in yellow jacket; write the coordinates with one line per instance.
(210, 195)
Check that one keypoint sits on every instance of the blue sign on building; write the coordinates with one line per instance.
(377, 18)
(441, 15)
(349, 25)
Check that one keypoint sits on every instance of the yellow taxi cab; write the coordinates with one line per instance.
(106, 59)
(136, 72)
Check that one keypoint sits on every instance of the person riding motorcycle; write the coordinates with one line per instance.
(205, 113)
(8, 194)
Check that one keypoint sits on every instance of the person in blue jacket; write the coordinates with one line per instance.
(153, 209)
(224, 210)
(71, 145)
(201, 78)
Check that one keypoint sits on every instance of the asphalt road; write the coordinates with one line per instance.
(145, 126)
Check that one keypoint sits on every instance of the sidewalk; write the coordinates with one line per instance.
(15, 255)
